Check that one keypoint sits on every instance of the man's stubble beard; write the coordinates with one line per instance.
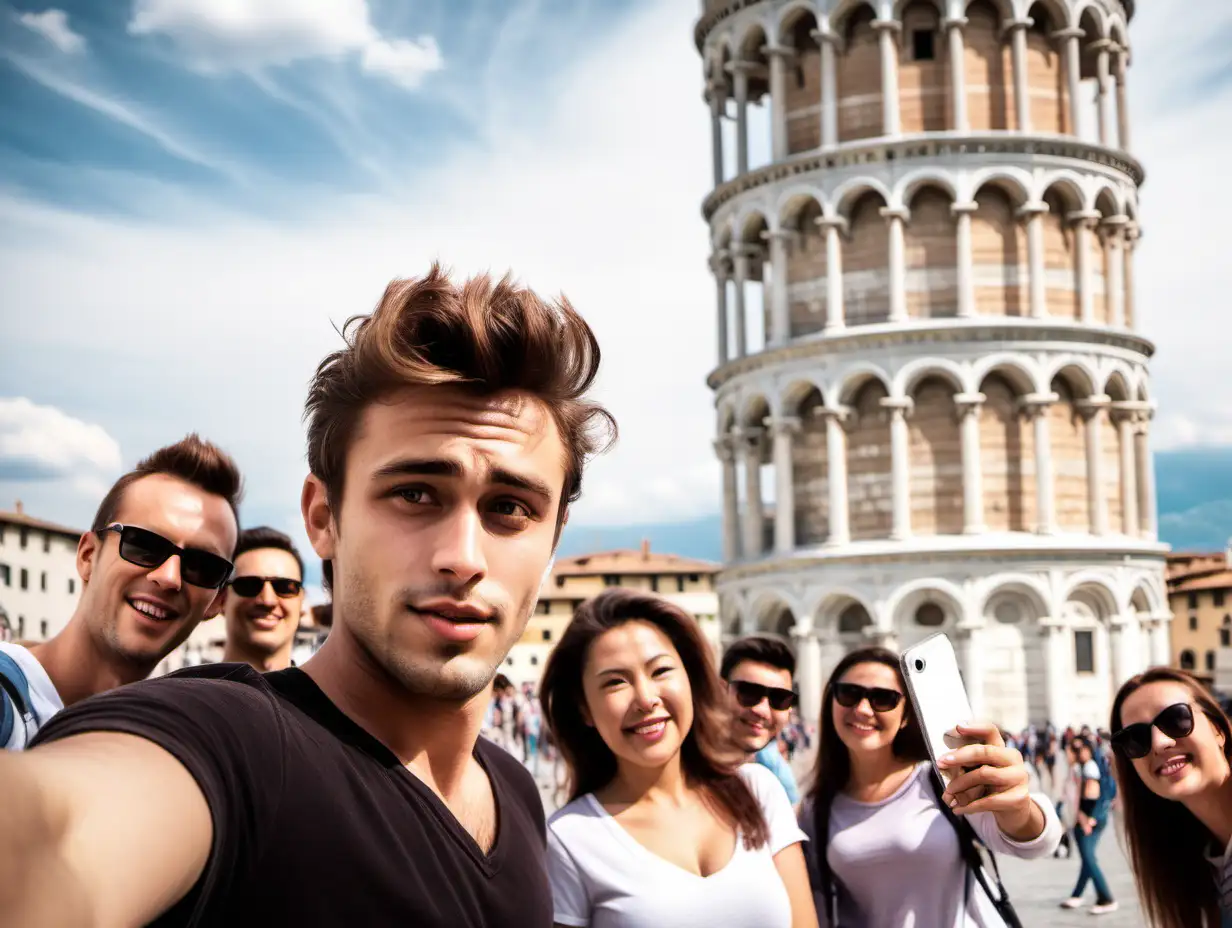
(436, 675)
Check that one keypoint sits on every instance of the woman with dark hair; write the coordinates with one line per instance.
(1172, 745)
(665, 826)
(882, 852)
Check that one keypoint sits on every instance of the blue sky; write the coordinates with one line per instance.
(194, 192)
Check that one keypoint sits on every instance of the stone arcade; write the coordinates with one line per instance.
(932, 396)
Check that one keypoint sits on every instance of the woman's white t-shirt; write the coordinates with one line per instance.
(603, 878)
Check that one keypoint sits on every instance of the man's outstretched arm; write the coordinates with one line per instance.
(99, 829)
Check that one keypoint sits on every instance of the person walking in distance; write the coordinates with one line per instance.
(446, 440)
(1172, 748)
(151, 568)
(264, 600)
(881, 852)
(666, 823)
(758, 670)
(1093, 806)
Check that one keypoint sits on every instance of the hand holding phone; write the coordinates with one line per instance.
(938, 697)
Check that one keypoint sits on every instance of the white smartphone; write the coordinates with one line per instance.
(938, 696)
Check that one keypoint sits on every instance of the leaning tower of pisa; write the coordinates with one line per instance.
(932, 392)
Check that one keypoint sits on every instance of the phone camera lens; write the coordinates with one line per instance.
(919, 664)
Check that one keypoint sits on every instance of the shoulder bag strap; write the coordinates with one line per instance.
(821, 847)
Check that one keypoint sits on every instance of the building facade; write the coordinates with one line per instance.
(933, 401)
(39, 585)
(1200, 597)
(687, 583)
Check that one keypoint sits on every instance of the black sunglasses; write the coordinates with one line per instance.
(249, 587)
(751, 694)
(149, 549)
(1134, 741)
(850, 695)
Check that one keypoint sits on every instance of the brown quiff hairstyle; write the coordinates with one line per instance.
(1167, 843)
(192, 459)
(486, 337)
(708, 758)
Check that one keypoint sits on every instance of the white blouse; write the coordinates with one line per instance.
(603, 878)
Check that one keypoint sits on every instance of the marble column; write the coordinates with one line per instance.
(829, 89)
(895, 218)
(1092, 411)
(751, 440)
(1122, 103)
(1036, 273)
(958, 74)
(888, 30)
(1161, 643)
(968, 405)
(714, 96)
(718, 264)
(1037, 405)
(1124, 647)
(1018, 51)
(970, 651)
(836, 463)
(1116, 268)
(1058, 669)
(835, 316)
(740, 79)
(778, 56)
(740, 264)
(900, 465)
(1125, 416)
(1083, 221)
(724, 447)
(809, 681)
(780, 318)
(965, 270)
(1149, 516)
(785, 429)
(1071, 52)
(1102, 48)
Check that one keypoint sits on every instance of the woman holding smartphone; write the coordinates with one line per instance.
(881, 851)
(1172, 746)
(666, 825)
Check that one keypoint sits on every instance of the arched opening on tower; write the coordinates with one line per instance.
(751, 247)
(804, 91)
(931, 255)
(1045, 69)
(922, 69)
(987, 68)
(810, 466)
(870, 484)
(1069, 441)
(1061, 283)
(999, 251)
(866, 293)
(757, 68)
(756, 479)
(936, 479)
(1118, 458)
(807, 269)
(859, 77)
(1007, 453)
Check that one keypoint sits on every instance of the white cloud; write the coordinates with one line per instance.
(43, 443)
(53, 26)
(224, 35)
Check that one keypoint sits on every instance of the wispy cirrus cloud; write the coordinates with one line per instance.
(53, 25)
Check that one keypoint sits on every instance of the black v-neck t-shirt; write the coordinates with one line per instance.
(315, 821)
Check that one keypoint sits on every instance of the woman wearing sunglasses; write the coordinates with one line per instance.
(1173, 752)
(881, 851)
(666, 825)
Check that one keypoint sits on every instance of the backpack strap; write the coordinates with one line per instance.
(17, 704)
(821, 847)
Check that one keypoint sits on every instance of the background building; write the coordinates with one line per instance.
(1200, 596)
(39, 585)
(687, 583)
(932, 395)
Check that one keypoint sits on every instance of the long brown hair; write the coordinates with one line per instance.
(1167, 843)
(708, 757)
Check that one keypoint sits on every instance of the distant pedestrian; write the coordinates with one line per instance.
(1173, 759)
(1092, 819)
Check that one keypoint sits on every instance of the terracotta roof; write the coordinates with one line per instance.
(631, 562)
(1191, 563)
(1218, 580)
(23, 520)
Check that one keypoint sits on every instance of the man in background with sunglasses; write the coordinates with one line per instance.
(759, 673)
(264, 600)
(152, 566)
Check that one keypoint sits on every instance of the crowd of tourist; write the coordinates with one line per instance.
(447, 438)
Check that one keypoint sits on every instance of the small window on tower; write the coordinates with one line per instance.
(1084, 652)
(922, 48)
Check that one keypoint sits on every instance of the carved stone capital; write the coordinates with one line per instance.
(889, 213)
(898, 405)
(1084, 218)
(725, 449)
